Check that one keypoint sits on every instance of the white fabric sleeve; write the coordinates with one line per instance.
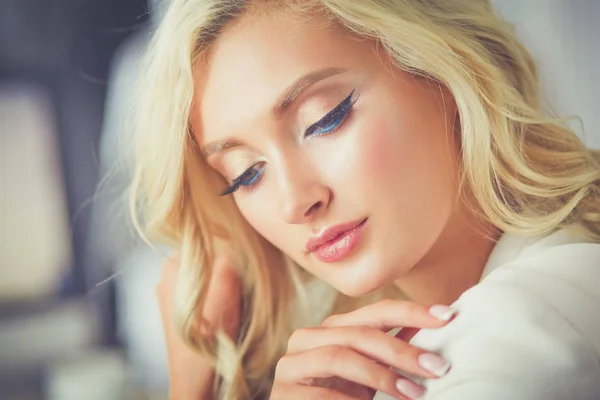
(508, 343)
(530, 331)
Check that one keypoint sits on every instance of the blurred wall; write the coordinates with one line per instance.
(564, 37)
(35, 245)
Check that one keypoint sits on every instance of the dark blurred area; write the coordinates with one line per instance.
(59, 337)
(57, 54)
(78, 316)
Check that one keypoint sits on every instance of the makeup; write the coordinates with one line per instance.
(341, 246)
(329, 123)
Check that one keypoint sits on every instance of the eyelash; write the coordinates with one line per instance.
(329, 123)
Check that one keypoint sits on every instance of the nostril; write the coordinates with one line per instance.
(313, 208)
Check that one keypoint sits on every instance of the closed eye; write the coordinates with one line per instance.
(327, 124)
(333, 119)
(248, 178)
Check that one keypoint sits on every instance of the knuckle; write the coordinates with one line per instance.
(405, 355)
(380, 377)
(361, 332)
(331, 320)
(335, 354)
(387, 381)
(411, 354)
(280, 367)
(297, 337)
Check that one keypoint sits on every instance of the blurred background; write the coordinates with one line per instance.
(78, 318)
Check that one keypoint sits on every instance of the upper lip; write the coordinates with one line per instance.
(329, 234)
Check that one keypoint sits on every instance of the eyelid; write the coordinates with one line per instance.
(344, 108)
(240, 177)
(337, 109)
(237, 182)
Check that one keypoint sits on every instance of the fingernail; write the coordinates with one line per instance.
(410, 389)
(434, 363)
(442, 312)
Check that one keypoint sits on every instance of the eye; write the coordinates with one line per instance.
(333, 119)
(247, 179)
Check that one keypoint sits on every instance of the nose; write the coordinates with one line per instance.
(303, 195)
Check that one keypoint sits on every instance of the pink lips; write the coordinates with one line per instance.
(336, 242)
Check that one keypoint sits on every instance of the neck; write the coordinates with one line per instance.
(453, 265)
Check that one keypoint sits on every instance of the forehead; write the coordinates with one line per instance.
(257, 58)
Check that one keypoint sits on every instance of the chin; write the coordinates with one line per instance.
(358, 278)
(359, 288)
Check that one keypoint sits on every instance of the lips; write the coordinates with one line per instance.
(336, 242)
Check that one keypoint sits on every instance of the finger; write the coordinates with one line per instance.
(374, 344)
(164, 289)
(338, 361)
(222, 307)
(170, 267)
(167, 278)
(388, 314)
(346, 387)
(301, 392)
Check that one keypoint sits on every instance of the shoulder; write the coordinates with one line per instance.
(558, 275)
(529, 330)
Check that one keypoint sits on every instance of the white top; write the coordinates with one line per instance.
(529, 330)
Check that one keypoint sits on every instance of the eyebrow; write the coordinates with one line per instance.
(290, 95)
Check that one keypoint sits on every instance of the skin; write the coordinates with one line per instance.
(394, 159)
(191, 375)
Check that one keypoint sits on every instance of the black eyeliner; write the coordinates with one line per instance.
(235, 184)
(341, 110)
(338, 115)
(230, 189)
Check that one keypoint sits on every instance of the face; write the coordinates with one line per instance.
(316, 128)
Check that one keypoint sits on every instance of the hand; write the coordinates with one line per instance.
(190, 374)
(349, 356)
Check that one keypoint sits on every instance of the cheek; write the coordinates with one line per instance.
(388, 157)
(383, 153)
(411, 165)
(256, 216)
(259, 214)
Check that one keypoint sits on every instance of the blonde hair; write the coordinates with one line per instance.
(525, 173)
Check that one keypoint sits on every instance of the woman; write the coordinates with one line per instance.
(309, 158)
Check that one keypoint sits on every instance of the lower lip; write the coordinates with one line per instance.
(340, 247)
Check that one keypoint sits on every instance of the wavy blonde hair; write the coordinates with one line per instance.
(525, 173)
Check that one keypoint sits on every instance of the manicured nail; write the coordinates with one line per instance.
(410, 389)
(442, 312)
(434, 363)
